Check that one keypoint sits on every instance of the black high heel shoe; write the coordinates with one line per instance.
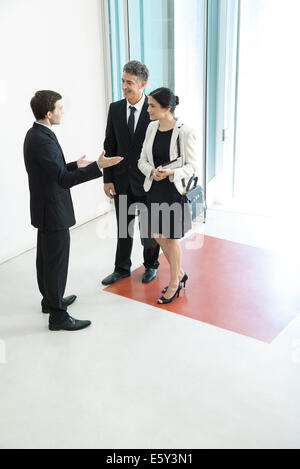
(183, 281)
(164, 301)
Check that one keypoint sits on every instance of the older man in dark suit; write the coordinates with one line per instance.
(127, 124)
(50, 180)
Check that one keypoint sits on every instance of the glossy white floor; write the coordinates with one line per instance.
(141, 377)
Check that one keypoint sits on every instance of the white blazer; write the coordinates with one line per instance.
(188, 152)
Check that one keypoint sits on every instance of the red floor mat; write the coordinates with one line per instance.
(237, 287)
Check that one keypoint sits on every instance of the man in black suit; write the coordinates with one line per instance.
(127, 124)
(50, 180)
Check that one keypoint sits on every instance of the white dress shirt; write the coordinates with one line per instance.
(138, 106)
(47, 126)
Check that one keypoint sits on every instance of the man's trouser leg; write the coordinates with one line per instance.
(52, 271)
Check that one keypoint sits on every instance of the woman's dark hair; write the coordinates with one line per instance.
(43, 102)
(166, 98)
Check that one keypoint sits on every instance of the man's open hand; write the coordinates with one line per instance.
(83, 163)
(104, 162)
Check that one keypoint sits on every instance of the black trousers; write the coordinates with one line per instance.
(52, 263)
(125, 223)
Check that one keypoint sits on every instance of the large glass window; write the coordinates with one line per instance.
(151, 39)
(118, 40)
(268, 105)
(212, 85)
(266, 162)
(245, 118)
(169, 36)
(189, 72)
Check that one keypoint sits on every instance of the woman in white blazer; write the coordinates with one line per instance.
(164, 185)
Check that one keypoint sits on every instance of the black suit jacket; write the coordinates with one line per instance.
(50, 179)
(118, 142)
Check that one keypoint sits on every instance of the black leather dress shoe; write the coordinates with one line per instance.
(149, 275)
(70, 324)
(114, 277)
(67, 301)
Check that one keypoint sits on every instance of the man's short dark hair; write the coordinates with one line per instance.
(43, 102)
(137, 69)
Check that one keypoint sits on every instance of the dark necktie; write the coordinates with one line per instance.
(131, 121)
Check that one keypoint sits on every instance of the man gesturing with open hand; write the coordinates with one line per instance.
(50, 179)
(103, 162)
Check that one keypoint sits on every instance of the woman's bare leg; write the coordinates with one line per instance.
(166, 250)
(174, 259)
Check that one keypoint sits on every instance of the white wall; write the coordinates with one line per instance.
(53, 45)
(189, 63)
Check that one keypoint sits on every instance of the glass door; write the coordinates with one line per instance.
(151, 39)
(173, 38)
(190, 70)
(266, 159)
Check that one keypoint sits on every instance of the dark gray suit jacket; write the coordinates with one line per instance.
(50, 180)
(118, 142)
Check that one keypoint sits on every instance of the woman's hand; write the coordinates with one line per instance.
(161, 174)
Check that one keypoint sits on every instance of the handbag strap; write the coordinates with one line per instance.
(178, 143)
(179, 152)
(193, 178)
(188, 187)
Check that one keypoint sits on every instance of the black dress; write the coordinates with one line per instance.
(165, 212)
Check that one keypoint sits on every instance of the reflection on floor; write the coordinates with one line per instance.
(234, 286)
(142, 377)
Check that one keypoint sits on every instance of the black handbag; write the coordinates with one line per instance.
(193, 196)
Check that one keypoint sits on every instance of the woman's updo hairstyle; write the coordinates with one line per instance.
(166, 98)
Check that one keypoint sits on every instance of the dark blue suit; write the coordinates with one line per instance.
(127, 178)
(52, 213)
